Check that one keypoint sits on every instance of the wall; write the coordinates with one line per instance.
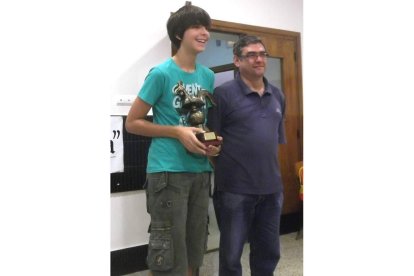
(143, 42)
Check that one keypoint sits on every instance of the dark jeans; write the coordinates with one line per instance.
(253, 218)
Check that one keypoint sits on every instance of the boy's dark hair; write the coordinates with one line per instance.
(184, 18)
(245, 41)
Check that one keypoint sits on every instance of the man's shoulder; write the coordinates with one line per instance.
(227, 86)
(276, 90)
(228, 91)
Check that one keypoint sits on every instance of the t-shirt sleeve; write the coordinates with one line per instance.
(152, 88)
(212, 78)
(210, 87)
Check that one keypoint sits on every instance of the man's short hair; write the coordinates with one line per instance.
(245, 41)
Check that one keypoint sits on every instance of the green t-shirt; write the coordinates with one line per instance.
(168, 154)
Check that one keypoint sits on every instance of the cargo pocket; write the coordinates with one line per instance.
(154, 184)
(160, 248)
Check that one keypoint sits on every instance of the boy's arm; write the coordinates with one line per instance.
(137, 124)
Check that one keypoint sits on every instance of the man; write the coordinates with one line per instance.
(248, 194)
(178, 170)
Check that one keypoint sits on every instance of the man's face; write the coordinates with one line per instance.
(252, 61)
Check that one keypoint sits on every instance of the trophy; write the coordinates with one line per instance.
(191, 105)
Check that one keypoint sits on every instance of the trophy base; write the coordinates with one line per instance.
(208, 138)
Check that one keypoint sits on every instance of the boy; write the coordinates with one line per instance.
(178, 170)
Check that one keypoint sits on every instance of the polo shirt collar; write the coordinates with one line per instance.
(246, 90)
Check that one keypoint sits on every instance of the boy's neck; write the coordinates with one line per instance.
(185, 61)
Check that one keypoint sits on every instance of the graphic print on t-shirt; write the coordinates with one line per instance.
(190, 103)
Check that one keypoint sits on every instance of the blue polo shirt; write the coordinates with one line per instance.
(251, 127)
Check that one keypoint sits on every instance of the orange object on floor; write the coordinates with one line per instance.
(299, 173)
